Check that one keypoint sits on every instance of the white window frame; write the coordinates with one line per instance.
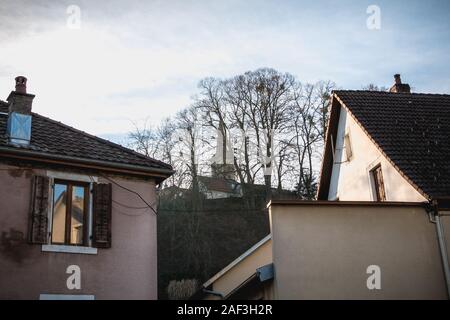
(49, 247)
(373, 191)
(348, 146)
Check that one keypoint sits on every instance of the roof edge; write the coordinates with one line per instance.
(330, 139)
(396, 93)
(110, 143)
(347, 203)
(237, 260)
(81, 162)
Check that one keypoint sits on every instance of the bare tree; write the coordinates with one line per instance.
(323, 90)
(143, 139)
(189, 146)
(309, 118)
(276, 124)
(266, 98)
(239, 102)
(212, 104)
(374, 87)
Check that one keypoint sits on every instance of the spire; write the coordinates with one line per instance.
(223, 160)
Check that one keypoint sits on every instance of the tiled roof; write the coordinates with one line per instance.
(218, 184)
(412, 130)
(55, 138)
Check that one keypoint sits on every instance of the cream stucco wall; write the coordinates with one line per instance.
(351, 181)
(242, 270)
(322, 251)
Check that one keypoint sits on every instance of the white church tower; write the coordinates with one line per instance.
(222, 164)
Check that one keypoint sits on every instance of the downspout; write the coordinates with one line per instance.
(435, 218)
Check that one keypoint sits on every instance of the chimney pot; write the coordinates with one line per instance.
(19, 100)
(398, 86)
(21, 84)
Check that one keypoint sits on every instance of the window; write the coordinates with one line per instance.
(70, 213)
(348, 147)
(378, 183)
(70, 219)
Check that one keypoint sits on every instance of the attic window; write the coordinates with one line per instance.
(19, 128)
(378, 183)
(348, 147)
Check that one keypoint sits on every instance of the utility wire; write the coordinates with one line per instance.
(130, 214)
(128, 206)
(132, 191)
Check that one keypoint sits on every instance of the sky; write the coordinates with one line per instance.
(117, 64)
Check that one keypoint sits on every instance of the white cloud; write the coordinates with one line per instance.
(136, 60)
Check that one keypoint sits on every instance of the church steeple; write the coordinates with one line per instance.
(223, 161)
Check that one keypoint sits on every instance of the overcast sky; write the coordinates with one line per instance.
(132, 60)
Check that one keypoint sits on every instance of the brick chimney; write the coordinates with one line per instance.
(19, 117)
(19, 100)
(398, 86)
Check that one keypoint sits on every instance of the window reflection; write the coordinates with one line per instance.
(69, 213)
(77, 215)
(59, 213)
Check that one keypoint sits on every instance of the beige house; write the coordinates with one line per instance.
(379, 227)
(248, 277)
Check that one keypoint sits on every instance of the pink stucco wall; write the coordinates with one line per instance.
(127, 270)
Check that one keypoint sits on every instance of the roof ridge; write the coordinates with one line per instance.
(113, 144)
(395, 93)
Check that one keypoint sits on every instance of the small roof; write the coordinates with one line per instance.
(52, 138)
(412, 130)
(236, 261)
(219, 184)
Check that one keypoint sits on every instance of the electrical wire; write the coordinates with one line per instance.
(129, 190)
(128, 206)
(131, 214)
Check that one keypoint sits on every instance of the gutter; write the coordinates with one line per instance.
(74, 161)
(435, 218)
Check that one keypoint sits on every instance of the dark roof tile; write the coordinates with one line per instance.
(412, 129)
(53, 137)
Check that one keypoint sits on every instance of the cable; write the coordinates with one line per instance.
(131, 214)
(126, 206)
(129, 190)
(129, 207)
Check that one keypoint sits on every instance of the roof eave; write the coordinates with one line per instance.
(347, 203)
(327, 160)
(159, 173)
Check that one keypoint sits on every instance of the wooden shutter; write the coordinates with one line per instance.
(38, 224)
(102, 198)
(379, 183)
